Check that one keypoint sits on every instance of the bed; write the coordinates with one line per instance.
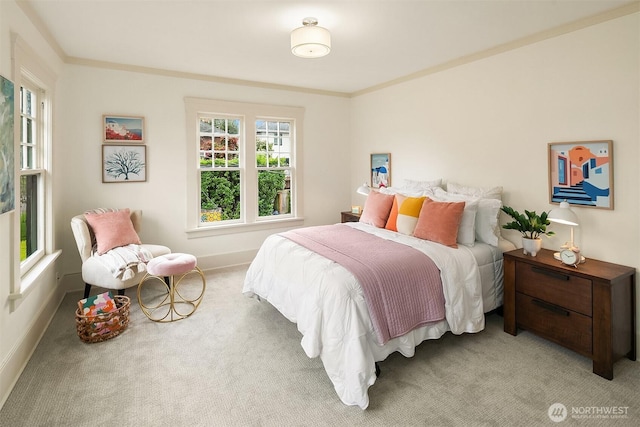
(327, 302)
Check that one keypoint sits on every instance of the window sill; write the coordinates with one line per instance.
(220, 230)
(32, 276)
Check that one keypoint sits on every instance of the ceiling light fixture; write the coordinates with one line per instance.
(310, 41)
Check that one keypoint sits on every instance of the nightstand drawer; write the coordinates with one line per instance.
(561, 289)
(565, 327)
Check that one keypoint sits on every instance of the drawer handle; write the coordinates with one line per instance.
(550, 307)
(550, 273)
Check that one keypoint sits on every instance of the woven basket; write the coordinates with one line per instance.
(104, 326)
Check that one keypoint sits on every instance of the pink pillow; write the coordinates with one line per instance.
(377, 208)
(112, 229)
(439, 222)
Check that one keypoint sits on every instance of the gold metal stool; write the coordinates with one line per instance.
(163, 293)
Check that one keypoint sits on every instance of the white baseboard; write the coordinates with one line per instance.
(211, 262)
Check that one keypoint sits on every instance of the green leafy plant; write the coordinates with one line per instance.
(530, 225)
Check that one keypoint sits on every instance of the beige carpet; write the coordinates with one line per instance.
(238, 362)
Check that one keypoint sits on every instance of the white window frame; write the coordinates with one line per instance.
(30, 71)
(249, 113)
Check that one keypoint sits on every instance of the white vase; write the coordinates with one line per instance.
(531, 246)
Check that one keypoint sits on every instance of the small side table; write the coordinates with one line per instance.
(590, 309)
(348, 216)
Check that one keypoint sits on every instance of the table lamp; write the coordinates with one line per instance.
(364, 189)
(564, 215)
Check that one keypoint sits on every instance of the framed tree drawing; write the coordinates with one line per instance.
(123, 129)
(581, 173)
(124, 163)
(380, 170)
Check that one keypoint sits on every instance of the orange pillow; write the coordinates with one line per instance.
(439, 222)
(376, 209)
(393, 216)
(112, 229)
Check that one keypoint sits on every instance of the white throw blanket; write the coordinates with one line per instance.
(122, 260)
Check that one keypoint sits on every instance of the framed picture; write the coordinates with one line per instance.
(124, 163)
(7, 152)
(581, 173)
(123, 129)
(380, 170)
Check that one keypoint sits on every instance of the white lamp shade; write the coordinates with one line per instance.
(364, 189)
(563, 215)
(310, 41)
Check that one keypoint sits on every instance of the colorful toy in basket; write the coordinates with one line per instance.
(97, 304)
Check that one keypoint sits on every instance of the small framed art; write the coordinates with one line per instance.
(121, 129)
(124, 163)
(380, 170)
(581, 173)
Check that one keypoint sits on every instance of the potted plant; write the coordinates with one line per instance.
(531, 226)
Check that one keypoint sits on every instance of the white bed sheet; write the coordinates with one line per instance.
(327, 304)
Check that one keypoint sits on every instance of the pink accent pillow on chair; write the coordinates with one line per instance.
(112, 229)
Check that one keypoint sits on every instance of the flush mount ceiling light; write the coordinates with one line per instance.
(310, 41)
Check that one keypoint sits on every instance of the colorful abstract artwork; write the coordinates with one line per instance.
(7, 159)
(581, 173)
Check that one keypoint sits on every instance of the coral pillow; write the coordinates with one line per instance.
(439, 222)
(112, 229)
(408, 213)
(376, 209)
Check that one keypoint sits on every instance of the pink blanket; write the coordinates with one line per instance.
(401, 285)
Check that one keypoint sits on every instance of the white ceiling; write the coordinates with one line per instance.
(374, 41)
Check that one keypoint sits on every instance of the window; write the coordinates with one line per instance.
(33, 220)
(32, 176)
(243, 161)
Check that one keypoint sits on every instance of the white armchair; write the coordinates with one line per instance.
(96, 273)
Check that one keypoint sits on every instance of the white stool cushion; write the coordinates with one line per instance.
(171, 264)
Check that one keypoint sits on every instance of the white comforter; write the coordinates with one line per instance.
(334, 320)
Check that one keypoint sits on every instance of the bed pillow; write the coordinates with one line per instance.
(439, 222)
(487, 226)
(408, 213)
(480, 192)
(112, 229)
(467, 227)
(376, 209)
(393, 215)
(413, 186)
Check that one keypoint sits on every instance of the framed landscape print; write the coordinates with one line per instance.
(7, 151)
(581, 173)
(124, 163)
(380, 170)
(123, 129)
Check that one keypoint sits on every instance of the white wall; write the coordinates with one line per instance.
(488, 123)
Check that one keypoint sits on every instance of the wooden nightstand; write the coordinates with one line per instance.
(589, 309)
(348, 216)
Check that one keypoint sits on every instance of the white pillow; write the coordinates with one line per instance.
(401, 191)
(480, 192)
(421, 185)
(467, 227)
(487, 227)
